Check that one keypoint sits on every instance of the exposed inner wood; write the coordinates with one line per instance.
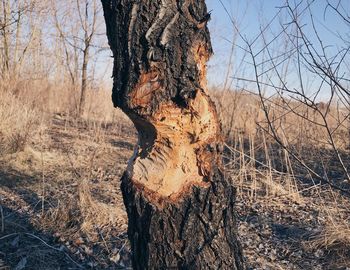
(173, 160)
(174, 142)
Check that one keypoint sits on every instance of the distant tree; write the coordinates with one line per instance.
(78, 25)
(20, 27)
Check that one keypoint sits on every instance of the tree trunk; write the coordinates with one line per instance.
(5, 32)
(82, 100)
(179, 204)
(17, 42)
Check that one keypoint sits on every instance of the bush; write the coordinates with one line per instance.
(18, 123)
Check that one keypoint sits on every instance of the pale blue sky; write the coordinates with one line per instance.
(249, 16)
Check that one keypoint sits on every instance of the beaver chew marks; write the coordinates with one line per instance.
(169, 159)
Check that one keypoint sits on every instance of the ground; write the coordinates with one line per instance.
(61, 207)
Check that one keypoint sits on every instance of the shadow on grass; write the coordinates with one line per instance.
(122, 144)
(24, 245)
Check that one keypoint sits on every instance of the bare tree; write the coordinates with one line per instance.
(12, 14)
(21, 38)
(88, 18)
(78, 26)
(179, 203)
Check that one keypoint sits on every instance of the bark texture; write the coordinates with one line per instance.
(179, 204)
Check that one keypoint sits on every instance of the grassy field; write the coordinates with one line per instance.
(61, 207)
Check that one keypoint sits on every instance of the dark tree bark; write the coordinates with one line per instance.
(84, 74)
(179, 204)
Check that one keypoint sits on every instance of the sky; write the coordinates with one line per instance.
(246, 14)
(248, 17)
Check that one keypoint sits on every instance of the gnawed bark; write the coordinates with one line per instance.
(179, 204)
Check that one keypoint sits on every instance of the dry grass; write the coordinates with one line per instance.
(72, 157)
(294, 122)
(79, 205)
(334, 235)
(262, 170)
(19, 123)
(72, 188)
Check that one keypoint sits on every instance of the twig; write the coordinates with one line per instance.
(7, 236)
(120, 250)
(52, 247)
(2, 220)
(104, 241)
(42, 179)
